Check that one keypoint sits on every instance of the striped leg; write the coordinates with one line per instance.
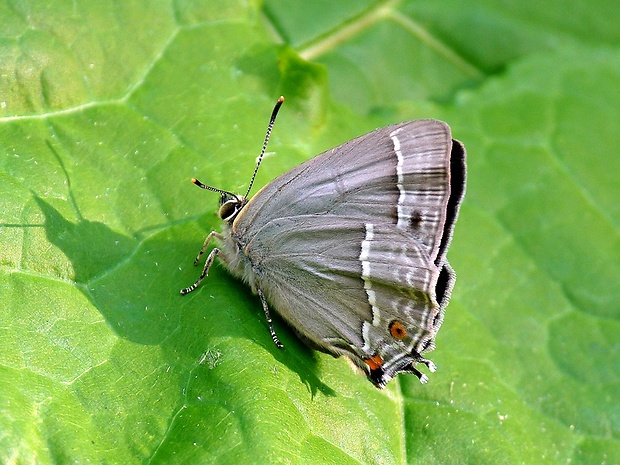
(211, 235)
(205, 271)
(269, 321)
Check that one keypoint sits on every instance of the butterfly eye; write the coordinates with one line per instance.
(397, 330)
(229, 209)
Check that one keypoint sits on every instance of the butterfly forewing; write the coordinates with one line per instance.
(397, 175)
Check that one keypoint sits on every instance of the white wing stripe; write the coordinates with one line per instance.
(365, 260)
(402, 217)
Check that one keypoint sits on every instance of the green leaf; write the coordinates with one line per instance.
(107, 111)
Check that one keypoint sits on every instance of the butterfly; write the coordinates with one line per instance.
(350, 247)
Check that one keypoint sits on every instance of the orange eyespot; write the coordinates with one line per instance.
(397, 330)
(374, 362)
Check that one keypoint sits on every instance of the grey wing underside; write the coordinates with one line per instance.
(397, 175)
(310, 269)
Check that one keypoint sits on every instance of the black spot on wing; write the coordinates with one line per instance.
(416, 220)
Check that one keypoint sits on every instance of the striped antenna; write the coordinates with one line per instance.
(214, 189)
(274, 113)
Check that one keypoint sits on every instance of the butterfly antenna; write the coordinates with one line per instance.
(214, 189)
(274, 113)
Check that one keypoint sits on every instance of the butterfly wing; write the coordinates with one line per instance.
(350, 246)
(400, 174)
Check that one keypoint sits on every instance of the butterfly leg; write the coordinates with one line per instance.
(421, 376)
(205, 271)
(211, 235)
(269, 321)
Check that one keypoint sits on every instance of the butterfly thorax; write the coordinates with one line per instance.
(235, 259)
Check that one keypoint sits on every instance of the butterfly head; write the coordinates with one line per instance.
(230, 206)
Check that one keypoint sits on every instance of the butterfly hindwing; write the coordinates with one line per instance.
(344, 289)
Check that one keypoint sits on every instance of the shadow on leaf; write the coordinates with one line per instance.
(91, 246)
(135, 285)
